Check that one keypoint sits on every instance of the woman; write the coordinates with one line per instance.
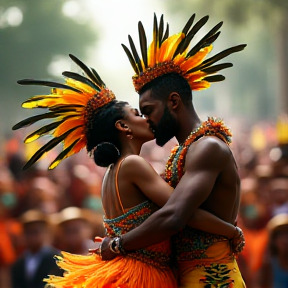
(87, 114)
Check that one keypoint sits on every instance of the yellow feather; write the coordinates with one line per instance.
(201, 85)
(68, 124)
(169, 47)
(80, 86)
(196, 76)
(150, 55)
(43, 103)
(77, 147)
(196, 59)
(76, 134)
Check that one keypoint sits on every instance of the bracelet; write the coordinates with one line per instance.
(121, 249)
(114, 245)
(239, 231)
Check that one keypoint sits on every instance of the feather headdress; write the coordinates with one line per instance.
(172, 55)
(70, 109)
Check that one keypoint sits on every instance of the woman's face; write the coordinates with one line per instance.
(138, 125)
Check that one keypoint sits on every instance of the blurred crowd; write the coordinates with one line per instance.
(43, 212)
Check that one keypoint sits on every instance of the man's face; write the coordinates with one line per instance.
(160, 119)
(35, 235)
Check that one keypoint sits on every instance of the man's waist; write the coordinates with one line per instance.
(191, 244)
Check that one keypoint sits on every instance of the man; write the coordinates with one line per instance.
(37, 261)
(75, 230)
(202, 169)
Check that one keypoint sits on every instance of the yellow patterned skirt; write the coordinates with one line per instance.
(220, 269)
(122, 272)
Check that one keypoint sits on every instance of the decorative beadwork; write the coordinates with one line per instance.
(154, 72)
(157, 255)
(175, 165)
(95, 102)
(192, 244)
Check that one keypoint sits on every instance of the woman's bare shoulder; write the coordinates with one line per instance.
(135, 164)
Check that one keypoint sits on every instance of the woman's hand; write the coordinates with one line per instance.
(105, 251)
(237, 243)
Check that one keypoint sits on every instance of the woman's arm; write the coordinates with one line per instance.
(142, 174)
(208, 222)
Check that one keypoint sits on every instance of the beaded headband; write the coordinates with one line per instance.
(172, 55)
(71, 108)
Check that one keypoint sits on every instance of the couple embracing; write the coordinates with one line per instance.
(174, 233)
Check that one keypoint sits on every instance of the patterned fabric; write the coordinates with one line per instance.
(218, 269)
(156, 255)
(214, 275)
(191, 244)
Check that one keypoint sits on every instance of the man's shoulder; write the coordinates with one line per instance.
(210, 144)
(208, 152)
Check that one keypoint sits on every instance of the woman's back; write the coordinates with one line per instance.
(122, 219)
(114, 181)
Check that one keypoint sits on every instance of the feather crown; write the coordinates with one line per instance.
(71, 106)
(172, 55)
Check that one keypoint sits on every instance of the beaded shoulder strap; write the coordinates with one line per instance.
(176, 161)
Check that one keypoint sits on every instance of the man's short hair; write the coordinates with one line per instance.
(163, 86)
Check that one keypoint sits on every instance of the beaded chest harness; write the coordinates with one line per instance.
(175, 165)
(157, 255)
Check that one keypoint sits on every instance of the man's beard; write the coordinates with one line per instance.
(166, 128)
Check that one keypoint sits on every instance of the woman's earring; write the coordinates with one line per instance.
(130, 136)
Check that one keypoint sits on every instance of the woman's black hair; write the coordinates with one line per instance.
(102, 135)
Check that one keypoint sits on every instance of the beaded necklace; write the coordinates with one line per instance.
(175, 165)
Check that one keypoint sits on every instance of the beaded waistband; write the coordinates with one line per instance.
(191, 244)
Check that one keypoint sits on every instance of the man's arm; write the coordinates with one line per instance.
(204, 161)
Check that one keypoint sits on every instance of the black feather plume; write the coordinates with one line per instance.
(143, 43)
(214, 78)
(161, 29)
(43, 130)
(131, 59)
(135, 54)
(31, 120)
(204, 41)
(216, 68)
(63, 154)
(188, 24)
(222, 55)
(81, 78)
(47, 147)
(46, 83)
(100, 81)
(84, 68)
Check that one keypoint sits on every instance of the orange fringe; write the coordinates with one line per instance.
(122, 272)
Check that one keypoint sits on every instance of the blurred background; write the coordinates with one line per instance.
(36, 38)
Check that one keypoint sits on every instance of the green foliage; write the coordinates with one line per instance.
(254, 82)
(27, 49)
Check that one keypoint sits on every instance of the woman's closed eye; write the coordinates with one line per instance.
(137, 113)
